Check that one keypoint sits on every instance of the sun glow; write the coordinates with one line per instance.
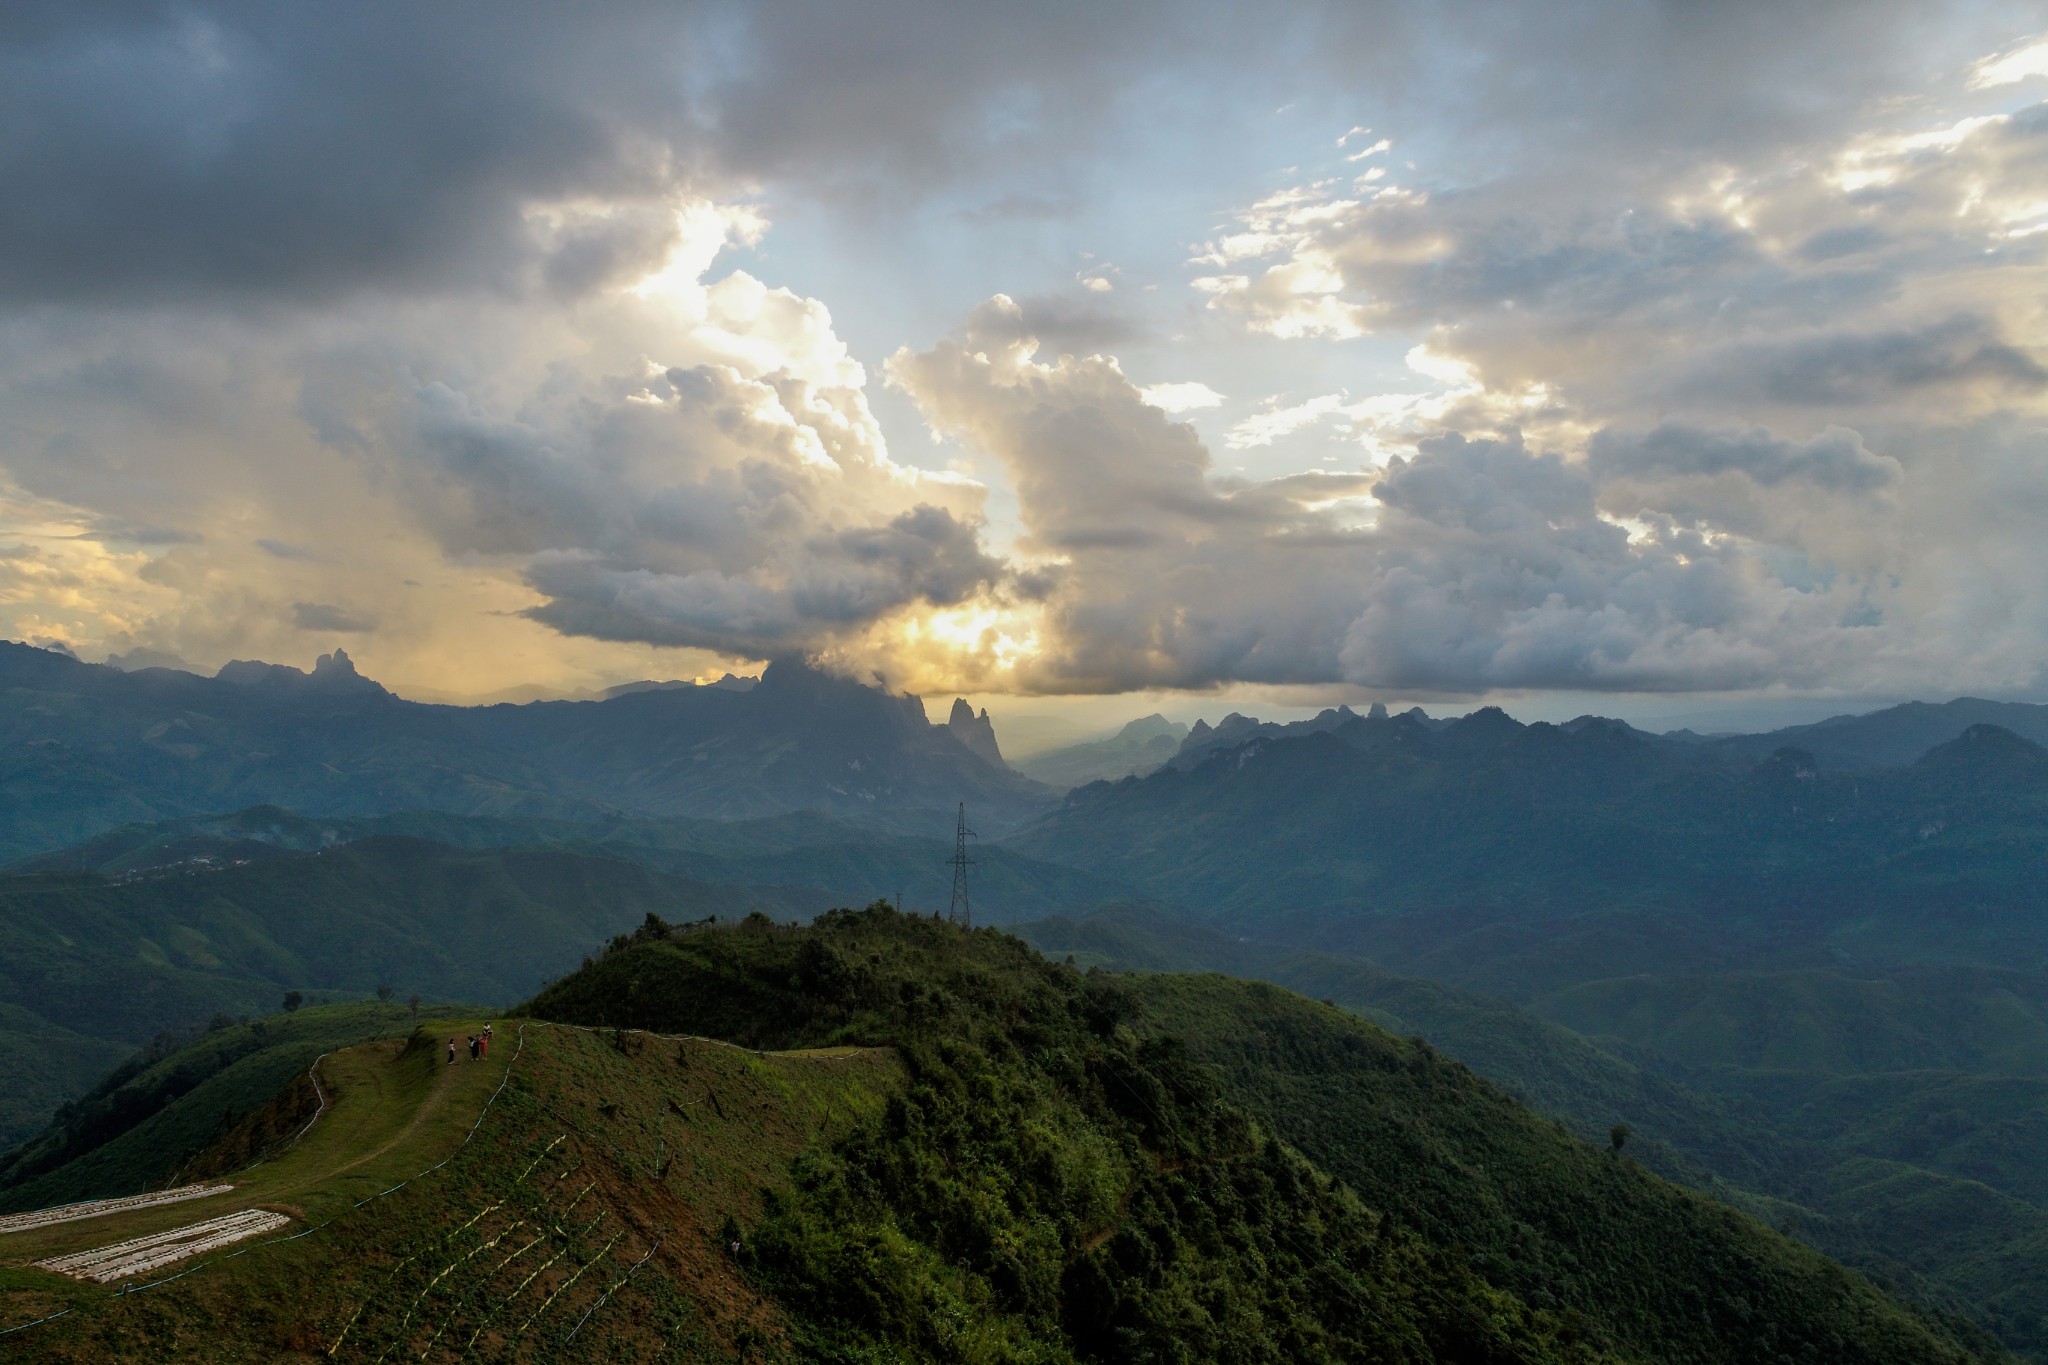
(978, 636)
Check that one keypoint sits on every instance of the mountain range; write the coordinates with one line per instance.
(85, 748)
(1522, 857)
(1139, 747)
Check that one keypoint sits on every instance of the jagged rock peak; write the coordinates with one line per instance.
(1378, 711)
(978, 733)
(334, 672)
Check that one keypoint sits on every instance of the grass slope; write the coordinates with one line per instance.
(161, 1106)
(593, 1201)
(92, 966)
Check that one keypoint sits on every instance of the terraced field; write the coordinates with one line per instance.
(575, 1185)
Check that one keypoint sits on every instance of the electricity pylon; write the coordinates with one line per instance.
(960, 912)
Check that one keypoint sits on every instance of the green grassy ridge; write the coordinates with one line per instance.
(592, 1152)
(90, 964)
(1032, 1197)
(1029, 1141)
(148, 1117)
(1674, 1275)
(1018, 1065)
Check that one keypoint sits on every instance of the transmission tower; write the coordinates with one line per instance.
(960, 912)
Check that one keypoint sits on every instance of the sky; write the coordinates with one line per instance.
(1673, 361)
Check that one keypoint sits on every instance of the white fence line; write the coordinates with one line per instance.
(94, 1208)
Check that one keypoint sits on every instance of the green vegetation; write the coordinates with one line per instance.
(93, 966)
(1671, 1275)
(172, 923)
(1929, 1180)
(958, 1152)
(1063, 1178)
(140, 1125)
(600, 1152)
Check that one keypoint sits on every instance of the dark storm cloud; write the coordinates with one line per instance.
(206, 149)
(194, 150)
(202, 149)
(847, 579)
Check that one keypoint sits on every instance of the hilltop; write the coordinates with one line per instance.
(939, 1144)
(177, 923)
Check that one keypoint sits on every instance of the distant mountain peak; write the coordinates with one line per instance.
(1985, 747)
(978, 733)
(1146, 727)
(334, 672)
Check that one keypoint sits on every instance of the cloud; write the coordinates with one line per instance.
(1081, 325)
(1470, 565)
(1264, 428)
(1836, 459)
(1187, 396)
(2030, 59)
(1864, 368)
(325, 617)
(1723, 362)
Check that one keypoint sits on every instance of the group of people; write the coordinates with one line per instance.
(479, 1046)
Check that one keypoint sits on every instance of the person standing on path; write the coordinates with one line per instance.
(451, 1052)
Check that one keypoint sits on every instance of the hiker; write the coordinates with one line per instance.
(474, 1054)
(451, 1052)
(485, 1038)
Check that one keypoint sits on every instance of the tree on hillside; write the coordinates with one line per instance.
(292, 1000)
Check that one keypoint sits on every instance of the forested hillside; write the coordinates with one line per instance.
(1033, 1086)
(1927, 1178)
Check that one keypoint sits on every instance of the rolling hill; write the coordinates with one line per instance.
(934, 1145)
